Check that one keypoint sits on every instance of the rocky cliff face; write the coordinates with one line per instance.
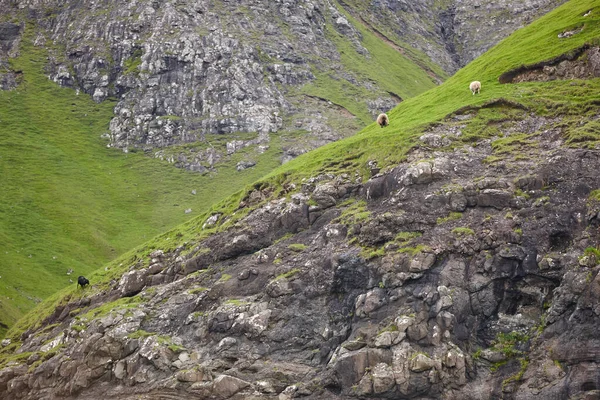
(185, 71)
(9, 37)
(451, 32)
(469, 271)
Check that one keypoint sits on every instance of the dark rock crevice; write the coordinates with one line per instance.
(581, 63)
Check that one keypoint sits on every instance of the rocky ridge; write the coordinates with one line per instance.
(465, 272)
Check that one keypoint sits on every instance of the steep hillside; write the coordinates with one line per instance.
(451, 32)
(226, 89)
(69, 205)
(454, 254)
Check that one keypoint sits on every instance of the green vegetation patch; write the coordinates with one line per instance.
(140, 334)
(512, 143)
(403, 237)
(132, 64)
(369, 253)
(488, 122)
(297, 247)
(236, 302)
(594, 195)
(162, 340)
(354, 214)
(518, 376)
(506, 343)
(462, 231)
(198, 290)
(287, 275)
(413, 251)
(587, 135)
(592, 251)
(123, 303)
(452, 216)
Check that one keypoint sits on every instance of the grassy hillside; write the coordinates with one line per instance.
(69, 203)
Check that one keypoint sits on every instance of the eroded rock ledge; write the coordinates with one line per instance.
(582, 63)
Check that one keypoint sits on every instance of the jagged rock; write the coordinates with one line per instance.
(279, 287)
(325, 194)
(387, 339)
(421, 262)
(258, 323)
(435, 140)
(417, 331)
(264, 387)
(458, 202)
(192, 375)
(369, 302)
(354, 344)
(132, 282)
(383, 378)
(288, 393)
(351, 366)
(242, 165)
(421, 363)
(403, 322)
(419, 173)
(365, 386)
(119, 370)
(225, 386)
(498, 199)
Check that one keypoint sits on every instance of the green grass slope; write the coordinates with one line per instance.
(537, 42)
(69, 203)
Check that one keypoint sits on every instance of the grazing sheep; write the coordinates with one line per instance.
(475, 86)
(82, 281)
(383, 120)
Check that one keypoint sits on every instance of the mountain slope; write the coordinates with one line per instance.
(466, 267)
(451, 33)
(70, 205)
(183, 72)
(204, 87)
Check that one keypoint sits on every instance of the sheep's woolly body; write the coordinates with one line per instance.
(475, 86)
(383, 120)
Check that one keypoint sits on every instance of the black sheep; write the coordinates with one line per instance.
(82, 281)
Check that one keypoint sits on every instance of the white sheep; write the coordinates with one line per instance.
(475, 86)
(383, 120)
